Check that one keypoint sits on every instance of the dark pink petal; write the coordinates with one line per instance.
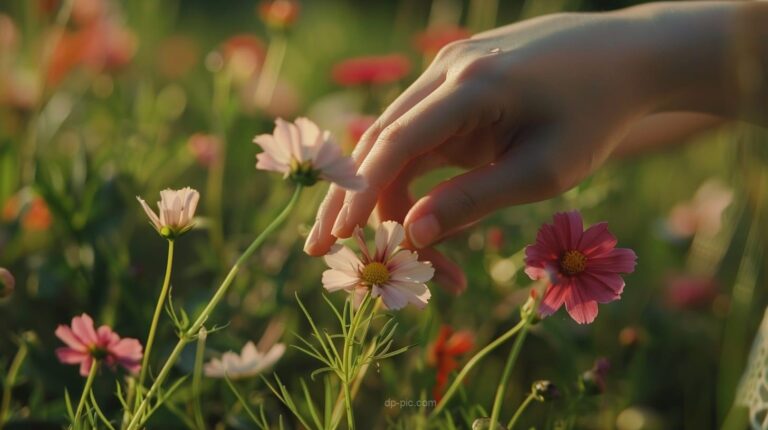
(618, 260)
(127, 350)
(71, 356)
(553, 298)
(597, 240)
(612, 281)
(65, 333)
(537, 254)
(569, 227)
(583, 310)
(549, 238)
(82, 327)
(599, 289)
(107, 337)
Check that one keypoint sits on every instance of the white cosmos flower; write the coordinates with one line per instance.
(176, 209)
(249, 362)
(304, 153)
(391, 272)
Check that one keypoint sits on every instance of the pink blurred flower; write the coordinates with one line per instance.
(305, 154)
(433, 39)
(279, 14)
(176, 210)
(703, 214)
(583, 267)
(205, 148)
(86, 344)
(243, 55)
(9, 37)
(495, 238)
(444, 352)
(7, 282)
(690, 292)
(370, 70)
(391, 272)
(100, 46)
(357, 126)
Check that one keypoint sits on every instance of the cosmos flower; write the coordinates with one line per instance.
(7, 282)
(86, 344)
(176, 210)
(391, 272)
(279, 14)
(303, 153)
(249, 362)
(435, 38)
(444, 352)
(205, 148)
(583, 267)
(702, 214)
(371, 70)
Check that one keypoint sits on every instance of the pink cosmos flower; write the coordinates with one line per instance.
(305, 154)
(391, 272)
(176, 211)
(205, 148)
(583, 267)
(86, 344)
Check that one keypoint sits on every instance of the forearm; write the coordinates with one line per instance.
(708, 57)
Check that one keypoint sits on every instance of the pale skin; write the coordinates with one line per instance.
(533, 108)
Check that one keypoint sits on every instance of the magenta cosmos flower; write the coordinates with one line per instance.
(305, 154)
(86, 344)
(583, 267)
(391, 272)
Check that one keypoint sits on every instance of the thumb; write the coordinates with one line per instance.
(524, 175)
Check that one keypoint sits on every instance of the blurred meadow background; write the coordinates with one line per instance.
(119, 99)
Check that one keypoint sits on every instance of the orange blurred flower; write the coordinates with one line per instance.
(433, 39)
(33, 211)
(177, 55)
(371, 70)
(445, 351)
(279, 14)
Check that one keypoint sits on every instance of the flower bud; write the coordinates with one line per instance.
(545, 391)
(7, 283)
(592, 382)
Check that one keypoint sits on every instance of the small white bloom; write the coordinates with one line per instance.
(248, 363)
(176, 209)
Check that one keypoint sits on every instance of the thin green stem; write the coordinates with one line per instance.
(10, 381)
(86, 389)
(138, 418)
(155, 318)
(513, 353)
(531, 397)
(242, 401)
(471, 364)
(265, 89)
(197, 377)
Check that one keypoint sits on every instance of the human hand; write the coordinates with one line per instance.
(529, 110)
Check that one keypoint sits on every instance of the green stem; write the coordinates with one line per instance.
(10, 381)
(500, 390)
(138, 419)
(86, 389)
(197, 379)
(471, 364)
(265, 89)
(155, 319)
(520, 410)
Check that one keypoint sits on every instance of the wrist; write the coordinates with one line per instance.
(709, 57)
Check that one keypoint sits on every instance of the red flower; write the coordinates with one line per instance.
(690, 292)
(357, 126)
(279, 13)
(433, 39)
(443, 354)
(371, 70)
(583, 267)
(86, 344)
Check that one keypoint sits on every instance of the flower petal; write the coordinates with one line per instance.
(554, 298)
(570, 227)
(389, 236)
(618, 260)
(583, 310)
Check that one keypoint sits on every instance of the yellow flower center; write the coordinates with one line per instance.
(573, 262)
(375, 273)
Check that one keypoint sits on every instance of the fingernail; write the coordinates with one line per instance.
(423, 231)
(312, 237)
(341, 220)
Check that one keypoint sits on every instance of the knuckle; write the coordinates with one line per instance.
(452, 51)
(483, 70)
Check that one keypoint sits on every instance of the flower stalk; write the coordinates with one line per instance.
(531, 397)
(86, 390)
(139, 416)
(10, 381)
